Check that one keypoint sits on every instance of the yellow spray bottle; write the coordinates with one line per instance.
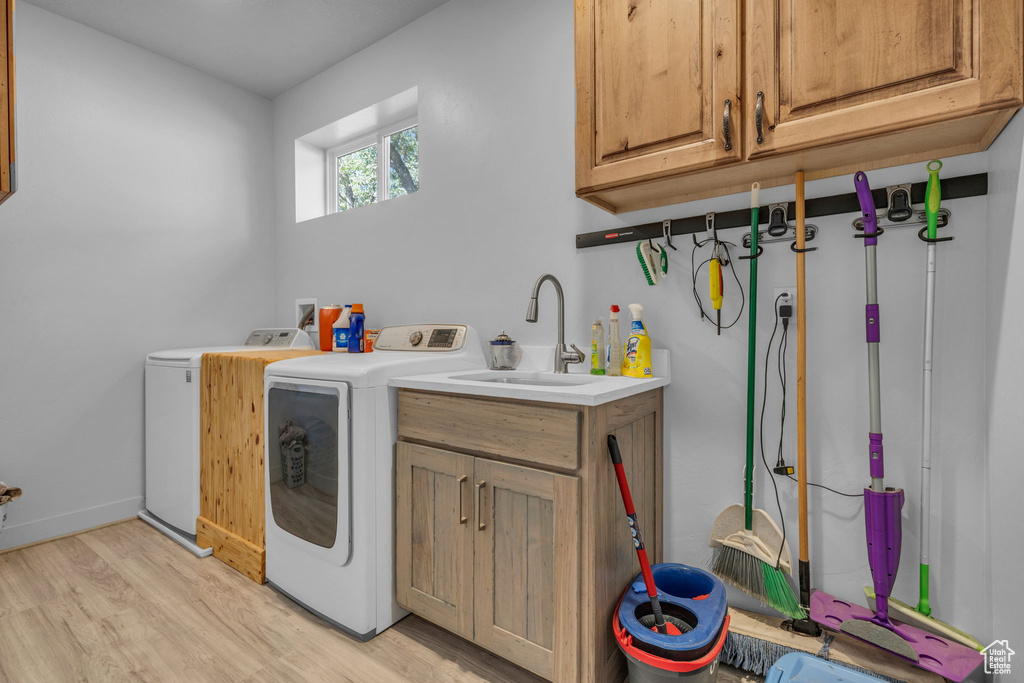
(636, 361)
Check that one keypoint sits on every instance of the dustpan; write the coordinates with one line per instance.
(762, 540)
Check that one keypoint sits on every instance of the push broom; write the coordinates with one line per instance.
(806, 626)
(921, 615)
(882, 510)
(749, 550)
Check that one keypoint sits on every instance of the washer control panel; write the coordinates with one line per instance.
(421, 338)
(278, 338)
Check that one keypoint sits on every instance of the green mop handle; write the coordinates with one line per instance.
(932, 197)
(748, 480)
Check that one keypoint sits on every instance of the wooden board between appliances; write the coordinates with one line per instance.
(231, 442)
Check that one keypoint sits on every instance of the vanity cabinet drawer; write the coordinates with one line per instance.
(526, 432)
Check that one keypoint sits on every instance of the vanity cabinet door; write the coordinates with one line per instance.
(434, 524)
(526, 575)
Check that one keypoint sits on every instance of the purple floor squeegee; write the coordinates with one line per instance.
(882, 507)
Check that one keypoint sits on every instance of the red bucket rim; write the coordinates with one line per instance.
(625, 642)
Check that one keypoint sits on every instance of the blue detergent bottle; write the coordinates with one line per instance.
(356, 335)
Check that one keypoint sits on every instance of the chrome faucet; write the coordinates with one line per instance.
(562, 356)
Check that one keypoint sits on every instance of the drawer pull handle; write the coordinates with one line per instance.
(480, 520)
(759, 116)
(462, 480)
(725, 126)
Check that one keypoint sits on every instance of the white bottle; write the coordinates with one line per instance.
(341, 330)
(614, 344)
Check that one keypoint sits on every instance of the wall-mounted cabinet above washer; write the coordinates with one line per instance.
(684, 100)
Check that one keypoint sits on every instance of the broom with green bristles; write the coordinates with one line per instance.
(750, 550)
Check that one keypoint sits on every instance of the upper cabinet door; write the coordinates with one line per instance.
(652, 81)
(832, 70)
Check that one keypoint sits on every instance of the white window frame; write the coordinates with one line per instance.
(379, 138)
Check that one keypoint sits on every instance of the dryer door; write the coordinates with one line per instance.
(307, 464)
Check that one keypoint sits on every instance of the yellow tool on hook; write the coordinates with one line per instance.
(716, 287)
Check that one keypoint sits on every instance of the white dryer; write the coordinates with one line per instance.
(331, 427)
(172, 431)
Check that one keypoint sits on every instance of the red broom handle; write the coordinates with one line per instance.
(627, 502)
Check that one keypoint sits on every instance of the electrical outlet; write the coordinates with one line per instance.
(301, 304)
(788, 295)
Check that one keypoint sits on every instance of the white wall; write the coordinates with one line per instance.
(142, 222)
(1005, 378)
(496, 210)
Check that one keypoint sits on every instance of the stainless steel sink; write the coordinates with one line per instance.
(531, 382)
(533, 379)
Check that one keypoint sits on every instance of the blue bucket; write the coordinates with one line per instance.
(690, 595)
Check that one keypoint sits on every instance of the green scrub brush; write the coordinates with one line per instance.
(653, 260)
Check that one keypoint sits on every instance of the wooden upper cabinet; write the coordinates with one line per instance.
(7, 179)
(832, 71)
(844, 85)
(652, 79)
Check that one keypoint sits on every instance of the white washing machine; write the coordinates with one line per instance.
(172, 431)
(331, 427)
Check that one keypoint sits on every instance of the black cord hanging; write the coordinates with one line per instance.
(695, 269)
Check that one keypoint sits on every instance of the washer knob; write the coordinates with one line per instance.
(266, 339)
(415, 338)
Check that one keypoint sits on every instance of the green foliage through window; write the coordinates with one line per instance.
(359, 171)
(404, 168)
(357, 178)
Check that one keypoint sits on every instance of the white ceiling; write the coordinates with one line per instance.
(264, 46)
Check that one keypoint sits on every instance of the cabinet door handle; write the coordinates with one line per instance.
(462, 518)
(479, 520)
(725, 126)
(759, 116)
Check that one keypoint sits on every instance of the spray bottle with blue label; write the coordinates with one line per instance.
(637, 360)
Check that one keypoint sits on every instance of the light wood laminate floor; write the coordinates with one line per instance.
(124, 603)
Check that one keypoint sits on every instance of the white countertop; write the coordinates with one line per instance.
(577, 387)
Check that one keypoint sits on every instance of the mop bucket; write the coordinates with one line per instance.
(690, 595)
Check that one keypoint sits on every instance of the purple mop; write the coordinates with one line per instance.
(882, 507)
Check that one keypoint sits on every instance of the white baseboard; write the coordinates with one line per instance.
(51, 527)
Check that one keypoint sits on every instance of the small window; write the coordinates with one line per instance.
(373, 168)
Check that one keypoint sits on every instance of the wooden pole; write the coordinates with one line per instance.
(801, 390)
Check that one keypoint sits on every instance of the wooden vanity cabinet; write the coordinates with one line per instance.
(824, 87)
(509, 525)
(7, 100)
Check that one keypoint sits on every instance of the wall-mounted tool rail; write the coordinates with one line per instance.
(779, 228)
(952, 188)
